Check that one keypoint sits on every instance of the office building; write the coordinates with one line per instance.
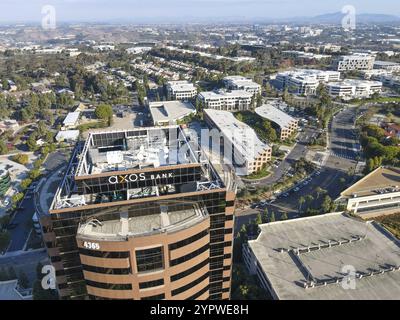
(352, 89)
(357, 61)
(242, 83)
(286, 125)
(249, 153)
(170, 112)
(141, 214)
(387, 65)
(304, 82)
(378, 193)
(181, 90)
(327, 257)
(237, 100)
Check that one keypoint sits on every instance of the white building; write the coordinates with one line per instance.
(304, 81)
(387, 65)
(181, 90)
(350, 89)
(305, 55)
(68, 136)
(378, 193)
(249, 153)
(242, 83)
(286, 125)
(389, 80)
(169, 112)
(357, 61)
(71, 120)
(237, 100)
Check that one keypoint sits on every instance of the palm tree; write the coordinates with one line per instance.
(301, 202)
(320, 191)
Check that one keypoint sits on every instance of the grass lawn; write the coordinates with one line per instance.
(258, 175)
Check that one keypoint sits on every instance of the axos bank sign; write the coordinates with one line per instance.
(134, 177)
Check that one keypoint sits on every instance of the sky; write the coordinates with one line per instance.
(139, 10)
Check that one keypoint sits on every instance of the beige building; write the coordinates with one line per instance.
(250, 154)
(378, 193)
(287, 126)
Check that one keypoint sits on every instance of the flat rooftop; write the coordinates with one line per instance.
(181, 86)
(355, 83)
(271, 112)
(380, 181)
(226, 94)
(295, 253)
(170, 111)
(240, 134)
(125, 227)
(141, 148)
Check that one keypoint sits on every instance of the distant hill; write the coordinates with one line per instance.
(336, 18)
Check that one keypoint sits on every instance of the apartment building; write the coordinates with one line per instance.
(304, 81)
(286, 125)
(181, 90)
(242, 83)
(357, 61)
(249, 153)
(351, 89)
(237, 100)
(141, 215)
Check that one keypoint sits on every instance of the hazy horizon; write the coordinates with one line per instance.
(13, 11)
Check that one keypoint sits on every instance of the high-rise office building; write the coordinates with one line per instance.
(142, 214)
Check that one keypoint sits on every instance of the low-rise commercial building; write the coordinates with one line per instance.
(304, 82)
(389, 80)
(71, 120)
(170, 112)
(249, 153)
(387, 65)
(242, 83)
(237, 100)
(181, 90)
(286, 125)
(327, 257)
(378, 193)
(69, 136)
(350, 89)
(357, 61)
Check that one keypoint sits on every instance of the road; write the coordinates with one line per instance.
(342, 157)
(23, 219)
(299, 151)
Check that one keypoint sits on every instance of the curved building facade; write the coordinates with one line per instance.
(131, 220)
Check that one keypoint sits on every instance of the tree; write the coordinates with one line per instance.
(302, 200)
(104, 112)
(259, 219)
(11, 273)
(21, 158)
(3, 147)
(25, 183)
(284, 216)
(326, 205)
(265, 216)
(272, 217)
(319, 191)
